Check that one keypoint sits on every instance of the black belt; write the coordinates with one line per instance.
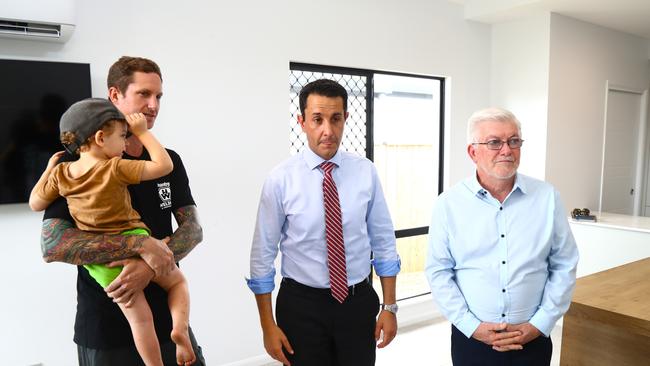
(351, 289)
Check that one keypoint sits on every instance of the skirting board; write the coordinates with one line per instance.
(261, 360)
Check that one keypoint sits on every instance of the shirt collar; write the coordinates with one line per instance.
(475, 187)
(520, 184)
(313, 160)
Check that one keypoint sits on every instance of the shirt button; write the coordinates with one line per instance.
(503, 236)
(500, 208)
(503, 290)
(503, 315)
(503, 262)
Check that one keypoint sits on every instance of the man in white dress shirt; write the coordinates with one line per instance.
(502, 260)
(325, 211)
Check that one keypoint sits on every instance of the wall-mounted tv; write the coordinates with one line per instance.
(33, 96)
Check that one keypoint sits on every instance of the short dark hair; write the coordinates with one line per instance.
(324, 87)
(120, 75)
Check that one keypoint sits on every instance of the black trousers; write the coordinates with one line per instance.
(471, 352)
(129, 356)
(324, 332)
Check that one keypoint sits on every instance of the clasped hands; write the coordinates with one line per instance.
(156, 259)
(505, 337)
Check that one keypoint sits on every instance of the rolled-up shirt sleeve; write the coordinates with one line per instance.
(266, 239)
(381, 233)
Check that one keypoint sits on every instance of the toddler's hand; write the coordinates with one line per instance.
(137, 123)
(54, 159)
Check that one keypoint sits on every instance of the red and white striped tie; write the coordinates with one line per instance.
(334, 235)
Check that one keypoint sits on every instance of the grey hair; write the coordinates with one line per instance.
(489, 114)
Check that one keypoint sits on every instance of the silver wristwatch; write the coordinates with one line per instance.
(390, 307)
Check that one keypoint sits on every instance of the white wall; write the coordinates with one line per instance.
(225, 69)
(551, 71)
(500, 10)
(520, 68)
(583, 57)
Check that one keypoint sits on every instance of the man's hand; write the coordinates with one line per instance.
(274, 341)
(528, 333)
(157, 255)
(386, 323)
(135, 276)
(491, 333)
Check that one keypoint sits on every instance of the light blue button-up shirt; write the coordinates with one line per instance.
(513, 262)
(291, 218)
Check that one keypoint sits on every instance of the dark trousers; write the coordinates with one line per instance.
(129, 356)
(324, 332)
(471, 352)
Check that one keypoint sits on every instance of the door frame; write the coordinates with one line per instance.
(642, 150)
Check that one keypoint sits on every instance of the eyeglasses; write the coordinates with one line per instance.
(513, 143)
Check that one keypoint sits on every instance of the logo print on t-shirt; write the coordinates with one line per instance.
(165, 194)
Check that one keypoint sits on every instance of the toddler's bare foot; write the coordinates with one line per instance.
(184, 352)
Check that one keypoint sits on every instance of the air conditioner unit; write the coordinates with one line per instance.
(39, 20)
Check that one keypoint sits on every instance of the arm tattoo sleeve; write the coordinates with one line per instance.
(188, 234)
(62, 242)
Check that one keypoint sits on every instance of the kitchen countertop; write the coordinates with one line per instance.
(618, 221)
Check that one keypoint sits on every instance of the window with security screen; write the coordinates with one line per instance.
(355, 133)
(396, 120)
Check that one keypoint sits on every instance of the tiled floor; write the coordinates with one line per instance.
(429, 344)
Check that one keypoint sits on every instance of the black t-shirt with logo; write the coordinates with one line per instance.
(100, 323)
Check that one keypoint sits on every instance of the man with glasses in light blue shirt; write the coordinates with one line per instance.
(501, 260)
(326, 309)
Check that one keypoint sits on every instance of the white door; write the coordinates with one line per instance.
(620, 156)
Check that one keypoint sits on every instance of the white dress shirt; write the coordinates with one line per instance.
(291, 218)
(511, 262)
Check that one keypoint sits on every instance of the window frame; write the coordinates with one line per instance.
(370, 75)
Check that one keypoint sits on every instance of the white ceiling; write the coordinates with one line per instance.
(629, 16)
